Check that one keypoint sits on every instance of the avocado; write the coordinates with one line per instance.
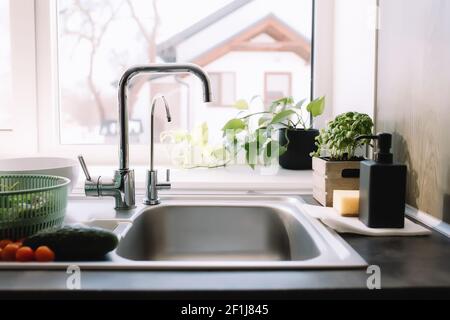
(71, 243)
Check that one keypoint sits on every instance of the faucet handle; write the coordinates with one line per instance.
(91, 187)
(167, 175)
(165, 185)
(84, 167)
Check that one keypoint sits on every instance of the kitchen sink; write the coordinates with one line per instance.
(245, 231)
(217, 232)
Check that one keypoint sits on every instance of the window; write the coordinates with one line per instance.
(99, 40)
(223, 85)
(5, 67)
(277, 85)
(85, 46)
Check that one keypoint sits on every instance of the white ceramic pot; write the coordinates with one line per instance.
(63, 167)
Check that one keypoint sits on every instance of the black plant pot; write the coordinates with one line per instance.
(301, 144)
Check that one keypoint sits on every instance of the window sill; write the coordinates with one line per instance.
(229, 179)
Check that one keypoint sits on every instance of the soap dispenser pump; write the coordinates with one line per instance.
(382, 187)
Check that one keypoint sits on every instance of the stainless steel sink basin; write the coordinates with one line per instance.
(233, 232)
(215, 232)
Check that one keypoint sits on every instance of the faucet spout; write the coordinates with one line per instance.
(152, 185)
(152, 122)
(151, 68)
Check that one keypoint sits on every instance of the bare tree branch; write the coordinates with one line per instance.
(94, 33)
(94, 39)
(150, 38)
(138, 21)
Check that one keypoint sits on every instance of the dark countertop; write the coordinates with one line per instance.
(410, 267)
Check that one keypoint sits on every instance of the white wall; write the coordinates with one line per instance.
(354, 56)
(345, 52)
(22, 139)
(324, 58)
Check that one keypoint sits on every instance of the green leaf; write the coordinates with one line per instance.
(234, 124)
(250, 156)
(281, 102)
(261, 139)
(272, 150)
(282, 115)
(284, 101)
(268, 150)
(241, 104)
(316, 106)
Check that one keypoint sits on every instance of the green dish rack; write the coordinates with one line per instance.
(31, 203)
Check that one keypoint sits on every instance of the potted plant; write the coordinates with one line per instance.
(280, 132)
(299, 139)
(335, 162)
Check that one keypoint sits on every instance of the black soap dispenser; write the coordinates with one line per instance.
(382, 187)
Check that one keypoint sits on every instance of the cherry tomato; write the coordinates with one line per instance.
(44, 254)
(9, 252)
(25, 254)
(4, 243)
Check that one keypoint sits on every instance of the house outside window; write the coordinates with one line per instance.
(277, 85)
(223, 85)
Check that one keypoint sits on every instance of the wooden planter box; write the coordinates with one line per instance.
(333, 175)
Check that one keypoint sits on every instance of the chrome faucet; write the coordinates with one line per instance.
(122, 186)
(152, 186)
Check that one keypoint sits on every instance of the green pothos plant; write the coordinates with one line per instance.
(250, 133)
(254, 133)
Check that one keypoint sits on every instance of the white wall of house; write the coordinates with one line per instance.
(249, 68)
